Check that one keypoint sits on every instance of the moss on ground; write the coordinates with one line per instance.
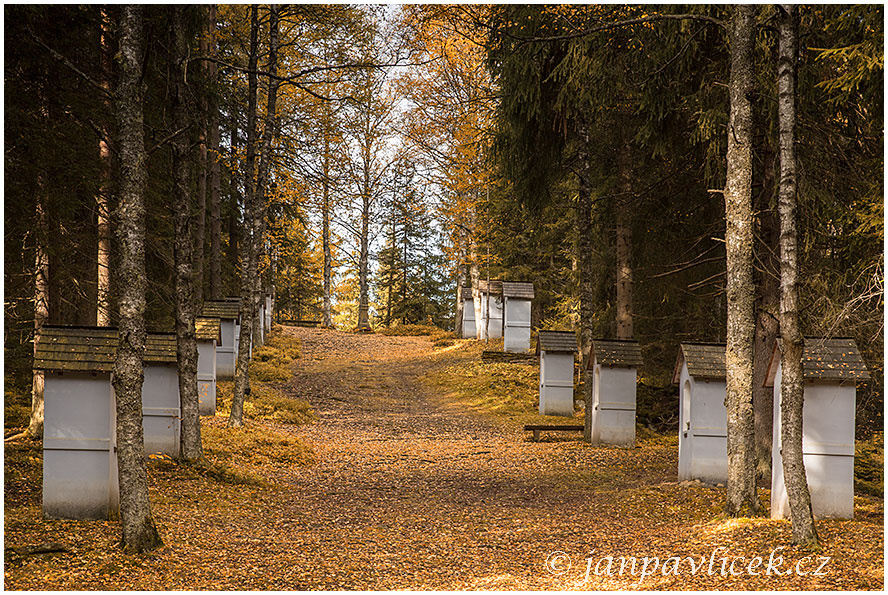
(509, 391)
(439, 337)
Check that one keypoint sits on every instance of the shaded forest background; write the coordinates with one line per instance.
(431, 146)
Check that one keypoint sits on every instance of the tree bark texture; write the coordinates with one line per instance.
(186, 279)
(766, 315)
(742, 498)
(585, 277)
(364, 259)
(326, 209)
(233, 207)
(624, 242)
(792, 385)
(213, 156)
(248, 269)
(460, 298)
(200, 211)
(265, 158)
(41, 315)
(103, 255)
(475, 274)
(139, 533)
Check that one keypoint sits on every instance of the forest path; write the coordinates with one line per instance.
(413, 490)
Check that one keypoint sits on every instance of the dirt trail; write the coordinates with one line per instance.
(412, 490)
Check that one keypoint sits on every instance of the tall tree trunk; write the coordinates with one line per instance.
(103, 257)
(234, 203)
(248, 270)
(265, 160)
(460, 298)
(200, 219)
(792, 384)
(325, 216)
(139, 534)
(186, 279)
(213, 156)
(475, 275)
(742, 498)
(41, 315)
(766, 312)
(585, 275)
(364, 261)
(624, 242)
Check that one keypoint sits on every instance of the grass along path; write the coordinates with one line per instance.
(417, 483)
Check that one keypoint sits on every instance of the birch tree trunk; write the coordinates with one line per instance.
(213, 156)
(326, 208)
(766, 316)
(742, 498)
(475, 274)
(585, 273)
(624, 242)
(792, 384)
(364, 260)
(41, 315)
(200, 218)
(265, 159)
(233, 207)
(103, 255)
(248, 268)
(186, 279)
(460, 299)
(139, 533)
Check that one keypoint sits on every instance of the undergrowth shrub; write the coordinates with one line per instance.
(869, 470)
(265, 403)
(16, 402)
(255, 446)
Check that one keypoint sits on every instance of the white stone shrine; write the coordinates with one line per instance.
(209, 334)
(468, 330)
(161, 412)
(491, 310)
(614, 367)
(832, 368)
(228, 312)
(79, 459)
(557, 350)
(703, 419)
(79, 466)
(517, 299)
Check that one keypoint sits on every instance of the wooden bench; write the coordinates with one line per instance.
(305, 323)
(536, 429)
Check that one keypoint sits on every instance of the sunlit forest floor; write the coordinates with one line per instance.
(416, 474)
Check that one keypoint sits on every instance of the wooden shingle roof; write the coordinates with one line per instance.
(496, 287)
(207, 329)
(705, 360)
(824, 359)
(68, 348)
(160, 348)
(227, 308)
(563, 341)
(93, 349)
(616, 353)
(518, 290)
